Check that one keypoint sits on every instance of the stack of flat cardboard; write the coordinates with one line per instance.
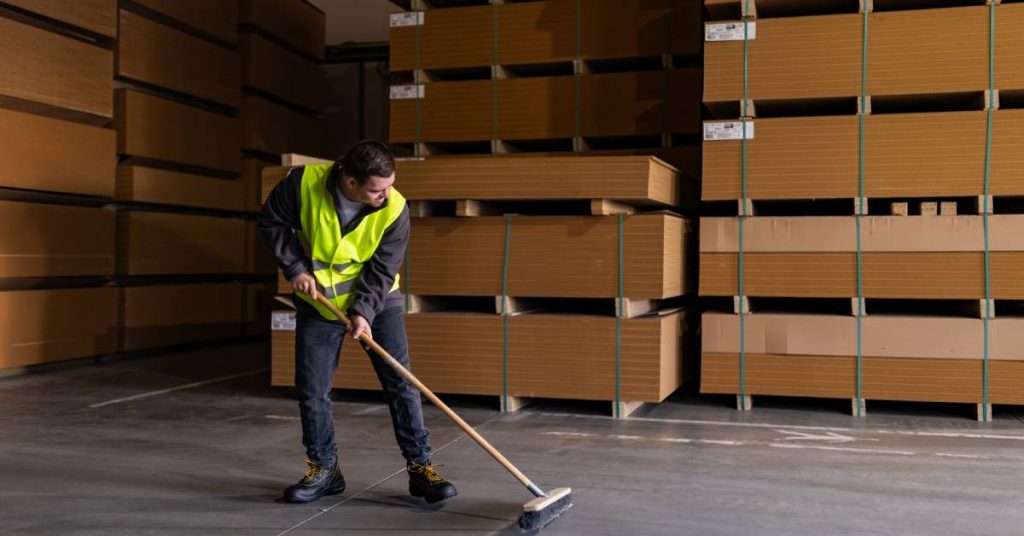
(282, 44)
(56, 89)
(179, 140)
(549, 256)
(552, 76)
(924, 139)
(283, 84)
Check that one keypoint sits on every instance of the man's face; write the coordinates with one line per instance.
(374, 192)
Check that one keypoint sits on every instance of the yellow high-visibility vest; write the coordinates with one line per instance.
(338, 259)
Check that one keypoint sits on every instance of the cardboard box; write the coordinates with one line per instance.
(171, 315)
(816, 157)
(97, 16)
(300, 24)
(271, 68)
(636, 180)
(151, 243)
(217, 19)
(162, 56)
(161, 129)
(50, 69)
(55, 240)
(153, 185)
(41, 326)
(550, 356)
(550, 256)
(274, 129)
(83, 165)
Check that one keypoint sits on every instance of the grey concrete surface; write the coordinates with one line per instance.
(197, 442)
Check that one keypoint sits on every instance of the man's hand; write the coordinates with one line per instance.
(306, 284)
(360, 326)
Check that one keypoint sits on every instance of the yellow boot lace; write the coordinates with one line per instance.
(314, 470)
(429, 470)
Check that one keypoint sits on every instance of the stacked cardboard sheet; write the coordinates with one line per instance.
(920, 140)
(931, 257)
(550, 256)
(57, 162)
(461, 353)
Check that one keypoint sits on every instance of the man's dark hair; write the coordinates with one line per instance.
(368, 158)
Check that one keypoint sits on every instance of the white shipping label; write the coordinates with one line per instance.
(416, 91)
(729, 31)
(732, 130)
(282, 321)
(412, 18)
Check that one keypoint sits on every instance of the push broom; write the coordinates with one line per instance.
(536, 513)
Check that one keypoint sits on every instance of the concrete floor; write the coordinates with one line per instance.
(135, 447)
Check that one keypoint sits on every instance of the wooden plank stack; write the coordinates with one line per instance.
(874, 199)
(561, 281)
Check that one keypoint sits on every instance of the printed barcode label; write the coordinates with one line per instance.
(416, 91)
(412, 18)
(732, 130)
(282, 321)
(729, 31)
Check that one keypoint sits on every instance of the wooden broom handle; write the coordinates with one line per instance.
(383, 354)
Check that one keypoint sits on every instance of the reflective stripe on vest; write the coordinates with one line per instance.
(338, 259)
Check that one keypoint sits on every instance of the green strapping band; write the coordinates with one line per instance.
(859, 210)
(618, 326)
(577, 73)
(743, 203)
(494, 79)
(984, 202)
(419, 111)
(504, 315)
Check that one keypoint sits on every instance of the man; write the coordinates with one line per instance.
(340, 230)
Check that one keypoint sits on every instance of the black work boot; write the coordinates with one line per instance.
(425, 482)
(316, 483)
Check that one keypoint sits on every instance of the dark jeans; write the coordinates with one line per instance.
(317, 345)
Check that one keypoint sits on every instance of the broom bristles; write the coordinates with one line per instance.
(538, 516)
